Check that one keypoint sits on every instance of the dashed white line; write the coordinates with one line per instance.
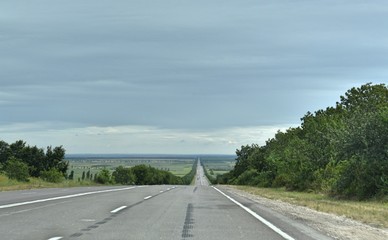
(55, 238)
(88, 220)
(161, 191)
(258, 217)
(118, 209)
(147, 197)
(62, 197)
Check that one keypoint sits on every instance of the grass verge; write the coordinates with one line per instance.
(11, 185)
(371, 212)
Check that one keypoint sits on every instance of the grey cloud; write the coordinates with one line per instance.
(185, 64)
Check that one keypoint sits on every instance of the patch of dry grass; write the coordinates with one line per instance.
(11, 185)
(371, 212)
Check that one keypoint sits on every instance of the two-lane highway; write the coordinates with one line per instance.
(147, 212)
(201, 179)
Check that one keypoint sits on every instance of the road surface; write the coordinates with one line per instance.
(143, 212)
(201, 179)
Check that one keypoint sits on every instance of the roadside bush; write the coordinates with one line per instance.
(103, 177)
(248, 178)
(71, 175)
(224, 178)
(188, 178)
(53, 175)
(16, 169)
(123, 176)
(210, 177)
(264, 179)
(141, 172)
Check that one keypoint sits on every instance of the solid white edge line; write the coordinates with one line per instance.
(146, 198)
(118, 209)
(63, 197)
(55, 238)
(258, 217)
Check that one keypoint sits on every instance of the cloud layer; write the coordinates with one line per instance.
(140, 139)
(183, 66)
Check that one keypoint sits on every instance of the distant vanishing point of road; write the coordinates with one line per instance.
(142, 212)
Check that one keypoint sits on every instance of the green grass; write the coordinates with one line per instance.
(218, 165)
(373, 212)
(178, 167)
(11, 185)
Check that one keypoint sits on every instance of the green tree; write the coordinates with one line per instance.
(363, 158)
(53, 175)
(104, 176)
(341, 150)
(71, 175)
(5, 152)
(243, 162)
(16, 169)
(55, 159)
(141, 174)
(123, 176)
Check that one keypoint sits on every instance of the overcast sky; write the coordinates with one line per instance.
(179, 76)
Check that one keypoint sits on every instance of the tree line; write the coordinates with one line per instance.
(211, 179)
(20, 161)
(341, 151)
(145, 175)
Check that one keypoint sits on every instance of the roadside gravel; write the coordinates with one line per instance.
(337, 227)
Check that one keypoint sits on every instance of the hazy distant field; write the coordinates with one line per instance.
(216, 165)
(178, 165)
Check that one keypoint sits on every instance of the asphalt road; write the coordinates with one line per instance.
(144, 212)
(201, 179)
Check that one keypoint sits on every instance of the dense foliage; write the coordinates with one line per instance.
(211, 179)
(52, 175)
(188, 178)
(104, 177)
(123, 175)
(147, 175)
(16, 169)
(342, 151)
(32, 161)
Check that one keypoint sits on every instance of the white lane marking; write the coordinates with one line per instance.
(147, 197)
(88, 220)
(55, 238)
(258, 217)
(168, 189)
(161, 191)
(118, 209)
(62, 197)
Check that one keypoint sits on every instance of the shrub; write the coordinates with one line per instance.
(16, 169)
(123, 176)
(248, 178)
(53, 175)
(103, 177)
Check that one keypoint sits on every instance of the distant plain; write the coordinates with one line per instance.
(178, 165)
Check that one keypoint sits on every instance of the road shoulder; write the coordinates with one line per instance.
(337, 227)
